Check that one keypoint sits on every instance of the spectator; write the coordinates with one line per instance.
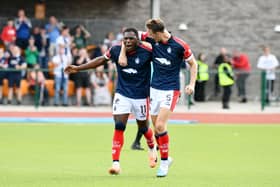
(119, 36)
(100, 82)
(202, 78)
(81, 79)
(268, 62)
(23, 27)
(31, 53)
(226, 80)
(64, 40)
(219, 59)
(61, 79)
(42, 44)
(53, 32)
(110, 40)
(37, 76)
(17, 63)
(242, 66)
(80, 36)
(3, 66)
(8, 34)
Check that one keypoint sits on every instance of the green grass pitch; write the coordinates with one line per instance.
(56, 155)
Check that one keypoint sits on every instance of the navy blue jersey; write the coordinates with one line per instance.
(2, 72)
(167, 61)
(134, 79)
(13, 62)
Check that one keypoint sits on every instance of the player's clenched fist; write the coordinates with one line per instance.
(189, 89)
(71, 69)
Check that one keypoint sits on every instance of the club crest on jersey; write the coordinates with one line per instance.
(169, 50)
(137, 60)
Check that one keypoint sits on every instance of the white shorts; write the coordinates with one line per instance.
(163, 99)
(124, 105)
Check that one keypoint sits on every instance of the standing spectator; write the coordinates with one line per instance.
(8, 34)
(42, 44)
(100, 82)
(80, 36)
(23, 28)
(219, 59)
(81, 79)
(226, 80)
(119, 36)
(202, 78)
(3, 66)
(242, 66)
(53, 32)
(64, 40)
(268, 62)
(61, 79)
(31, 53)
(17, 63)
(110, 40)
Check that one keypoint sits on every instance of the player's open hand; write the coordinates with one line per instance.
(189, 89)
(71, 69)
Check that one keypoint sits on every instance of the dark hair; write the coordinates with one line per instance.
(199, 56)
(132, 30)
(156, 25)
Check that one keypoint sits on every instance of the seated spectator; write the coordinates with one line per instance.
(100, 81)
(31, 53)
(80, 36)
(23, 26)
(16, 62)
(60, 61)
(8, 34)
(3, 66)
(81, 79)
(40, 82)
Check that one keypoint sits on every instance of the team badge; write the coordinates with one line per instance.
(137, 60)
(169, 50)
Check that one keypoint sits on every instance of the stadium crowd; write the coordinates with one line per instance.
(36, 55)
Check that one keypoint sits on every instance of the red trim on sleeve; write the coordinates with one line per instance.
(187, 50)
(144, 35)
(108, 54)
(146, 47)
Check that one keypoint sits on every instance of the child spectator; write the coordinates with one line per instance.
(31, 53)
(8, 34)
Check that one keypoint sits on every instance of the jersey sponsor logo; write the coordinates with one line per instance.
(130, 71)
(137, 60)
(164, 61)
(169, 50)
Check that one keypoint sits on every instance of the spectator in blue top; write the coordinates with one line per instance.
(23, 28)
(53, 31)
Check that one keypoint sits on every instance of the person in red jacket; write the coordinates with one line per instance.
(242, 67)
(8, 34)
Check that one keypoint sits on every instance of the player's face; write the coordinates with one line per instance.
(130, 41)
(155, 35)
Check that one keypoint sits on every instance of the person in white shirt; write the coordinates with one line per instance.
(61, 60)
(268, 62)
(64, 40)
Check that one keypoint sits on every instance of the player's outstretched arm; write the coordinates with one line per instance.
(193, 69)
(122, 58)
(94, 63)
